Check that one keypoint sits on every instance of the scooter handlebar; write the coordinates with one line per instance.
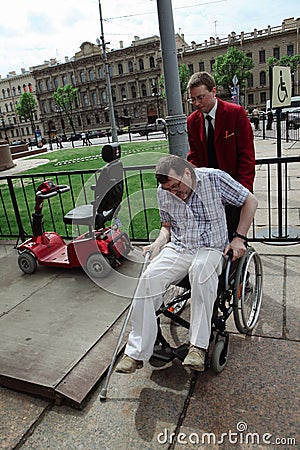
(55, 189)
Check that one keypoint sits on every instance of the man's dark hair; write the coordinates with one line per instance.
(202, 78)
(166, 163)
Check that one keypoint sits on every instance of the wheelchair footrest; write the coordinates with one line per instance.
(181, 351)
(163, 353)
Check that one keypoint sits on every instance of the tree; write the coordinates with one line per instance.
(64, 97)
(234, 62)
(26, 108)
(184, 76)
(288, 61)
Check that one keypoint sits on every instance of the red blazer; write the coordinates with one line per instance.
(234, 142)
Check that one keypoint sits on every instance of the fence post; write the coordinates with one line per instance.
(16, 209)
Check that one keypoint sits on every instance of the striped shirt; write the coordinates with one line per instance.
(201, 222)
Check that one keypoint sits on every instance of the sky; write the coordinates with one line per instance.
(35, 31)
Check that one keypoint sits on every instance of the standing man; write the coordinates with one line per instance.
(192, 240)
(232, 149)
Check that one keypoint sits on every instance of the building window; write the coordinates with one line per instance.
(262, 56)
(212, 61)
(64, 80)
(44, 106)
(144, 90)
(191, 68)
(133, 91)
(290, 50)
(249, 55)
(14, 91)
(55, 83)
(51, 105)
(276, 52)
(201, 66)
(123, 93)
(19, 89)
(94, 98)
(262, 78)
(48, 84)
(91, 75)
(100, 72)
(3, 93)
(250, 81)
(41, 86)
(141, 64)
(82, 77)
(130, 66)
(151, 62)
(85, 100)
(113, 94)
(103, 96)
(263, 97)
(250, 99)
(120, 68)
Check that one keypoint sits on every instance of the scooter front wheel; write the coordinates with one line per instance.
(27, 262)
(98, 266)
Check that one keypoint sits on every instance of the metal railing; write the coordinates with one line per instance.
(276, 187)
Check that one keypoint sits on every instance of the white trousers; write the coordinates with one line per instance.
(170, 267)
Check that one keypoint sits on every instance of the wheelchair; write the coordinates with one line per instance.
(239, 293)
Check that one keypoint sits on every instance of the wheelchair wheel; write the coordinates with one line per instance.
(219, 356)
(98, 266)
(174, 295)
(247, 292)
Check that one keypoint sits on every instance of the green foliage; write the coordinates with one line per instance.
(234, 62)
(26, 108)
(184, 76)
(288, 61)
(64, 98)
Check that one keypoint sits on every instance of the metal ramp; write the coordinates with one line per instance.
(58, 328)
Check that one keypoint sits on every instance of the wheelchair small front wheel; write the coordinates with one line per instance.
(219, 356)
(247, 292)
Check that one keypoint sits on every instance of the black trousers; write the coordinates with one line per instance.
(232, 218)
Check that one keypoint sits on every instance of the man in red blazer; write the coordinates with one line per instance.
(234, 141)
(233, 136)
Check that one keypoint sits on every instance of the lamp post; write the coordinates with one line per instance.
(108, 85)
(155, 94)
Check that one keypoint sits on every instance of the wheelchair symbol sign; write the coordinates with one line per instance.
(281, 87)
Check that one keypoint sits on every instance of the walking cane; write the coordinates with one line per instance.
(103, 393)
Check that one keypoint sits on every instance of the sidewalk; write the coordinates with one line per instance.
(252, 403)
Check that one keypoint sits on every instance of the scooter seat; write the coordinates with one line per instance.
(84, 215)
(81, 215)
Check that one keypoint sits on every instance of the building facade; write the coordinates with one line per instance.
(12, 127)
(134, 74)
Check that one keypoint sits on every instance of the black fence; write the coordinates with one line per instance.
(276, 187)
(289, 129)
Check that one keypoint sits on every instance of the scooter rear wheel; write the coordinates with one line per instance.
(98, 266)
(27, 262)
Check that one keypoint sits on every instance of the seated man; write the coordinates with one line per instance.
(192, 240)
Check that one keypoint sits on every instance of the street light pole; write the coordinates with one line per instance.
(176, 120)
(108, 85)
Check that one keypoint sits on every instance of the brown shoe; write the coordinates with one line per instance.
(128, 365)
(195, 359)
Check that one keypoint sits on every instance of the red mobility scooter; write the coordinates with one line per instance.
(97, 250)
